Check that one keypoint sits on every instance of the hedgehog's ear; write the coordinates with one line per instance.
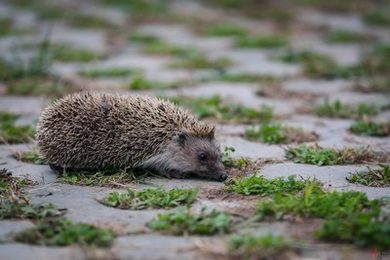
(211, 134)
(182, 138)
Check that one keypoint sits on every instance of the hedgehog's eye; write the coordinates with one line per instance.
(202, 156)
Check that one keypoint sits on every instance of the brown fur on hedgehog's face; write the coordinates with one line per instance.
(198, 156)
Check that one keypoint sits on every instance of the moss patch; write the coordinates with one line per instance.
(372, 177)
(150, 198)
(327, 156)
(213, 107)
(183, 222)
(10, 133)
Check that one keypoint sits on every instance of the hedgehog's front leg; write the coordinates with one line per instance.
(174, 174)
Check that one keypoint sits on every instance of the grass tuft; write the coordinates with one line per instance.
(259, 185)
(106, 178)
(275, 133)
(263, 41)
(370, 128)
(327, 156)
(68, 53)
(21, 208)
(226, 30)
(31, 156)
(229, 162)
(150, 198)
(213, 107)
(378, 17)
(337, 109)
(12, 134)
(257, 247)
(346, 37)
(10, 186)
(372, 177)
(183, 222)
(63, 232)
(107, 72)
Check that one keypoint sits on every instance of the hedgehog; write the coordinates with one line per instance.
(97, 131)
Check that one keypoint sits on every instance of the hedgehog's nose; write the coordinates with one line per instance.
(223, 177)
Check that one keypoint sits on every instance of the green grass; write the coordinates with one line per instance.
(259, 185)
(337, 109)
(150, 198)
(380, 17)
(143, 38)
(107, 72)
(214, 107)
(373, 85)
(376, 62)
(314, 202)
(88, 21)
(68, 53)
(10, 186)
(139, 82)
(270, 133)
(349, 216)
(141, 9)
(183, 222)
(340, 36)
(21, 209)
(63, 232)
(12, 134)
(225, 30)
(31, 156)
(198, 60)
(5, 26)
(316, 65)
(107, 178)
(32, 77)
(372, 177)
(327, 156)
(38, 86)
(257, 247)
(359, 229)
(229, 162)
(275, 133)
(160, 47)
(243, 77)
(263, 41)
(370, 128)
(185, 56)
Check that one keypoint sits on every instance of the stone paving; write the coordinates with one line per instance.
(133, 239)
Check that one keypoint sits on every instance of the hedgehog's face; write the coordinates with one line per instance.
(199, 156)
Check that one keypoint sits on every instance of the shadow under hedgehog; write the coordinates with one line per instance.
(95, 131)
